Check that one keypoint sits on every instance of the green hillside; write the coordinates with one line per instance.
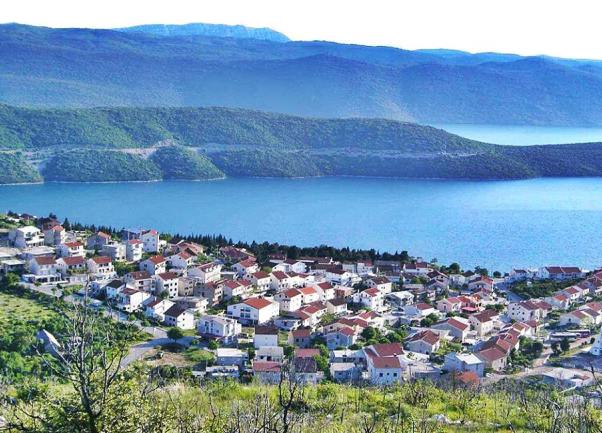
(177, 162)
(89, 145)
(15, 169)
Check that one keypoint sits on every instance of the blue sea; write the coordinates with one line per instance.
(495, 224)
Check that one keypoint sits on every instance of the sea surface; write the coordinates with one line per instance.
(496, 224)
(524, 135)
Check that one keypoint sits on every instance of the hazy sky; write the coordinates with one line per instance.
(567, 28)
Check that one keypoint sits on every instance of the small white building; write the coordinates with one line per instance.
(254, 310)
(180, 317)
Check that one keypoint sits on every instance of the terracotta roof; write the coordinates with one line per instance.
(385, 362)
(72, 261)
(73, 244)
(457, 324)
(301, 333)
(139, 275)
(492, 354)
(101, 260)
(257, 303)
(156, 260)
(260, 274)
(266, 367)
(306, 353)
(168, 276)
(427, 336)
(45, 260)
(266, 330)
(387, 349)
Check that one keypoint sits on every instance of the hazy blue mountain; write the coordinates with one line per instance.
(44, 67)
(200, 29)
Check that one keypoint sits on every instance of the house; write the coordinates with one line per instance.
(400, 299)
(265, 336)
(311, 314)
(383, 363)
(460, 362)
(418, 268)
(181, 260)
(481, 283)
(213, 292)
(457, 327)
(450, 305)
(167, 282)
(484, 322)
(300, 337)
(140, 280)
(261, 280)
(101, 267)
(179, 316)
(420, 310)
(337, 306)
(309, 294)
(156, 308)
(134, 248)
(493, 358)
(97, 241)
(342, 336)
(280, 281)
(237, 288)
(381, 283)
(206, 273)
(26, 237)
(267, 372)
(71, 265)
(151, 242)
(290, 265)
(254, 310)
(560, 273)
(114, 250)
(43, 266)
(305, 370)
(370, 298)
(528, 310)
(228, 356)
(344, 372)
(581, 318)
(154, 265)
(270, 354)
(219, 327)
(426, 342)
(113, 288)
(130, 300)
(559, 301)
(71, 249)
(342, 277)
(245, 268)
(290, 300)
(233, 254)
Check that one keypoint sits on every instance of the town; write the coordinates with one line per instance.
(375, 322)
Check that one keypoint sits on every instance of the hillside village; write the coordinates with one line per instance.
(376, 321)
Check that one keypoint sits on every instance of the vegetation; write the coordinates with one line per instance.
(14, 168)
(177, 162)
(99, 166)
(539, 289)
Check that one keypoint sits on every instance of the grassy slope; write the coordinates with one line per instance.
(15, 169)
(177, 162)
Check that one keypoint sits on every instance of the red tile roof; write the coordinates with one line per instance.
(257, 303)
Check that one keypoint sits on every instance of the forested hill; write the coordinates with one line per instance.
(121, 144)
(182, 66)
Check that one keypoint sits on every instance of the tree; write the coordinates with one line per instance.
(213, 345)
(565, 346)
(175, 333)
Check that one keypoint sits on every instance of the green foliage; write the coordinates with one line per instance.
(99, 166)
(175, 333)
(177, 162)
(429, 320)
(14, 168)
(539, 289)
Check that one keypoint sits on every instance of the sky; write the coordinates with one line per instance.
(564, 28)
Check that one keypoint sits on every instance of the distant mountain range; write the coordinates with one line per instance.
(200, 65)
(200, 29)
(120, 144)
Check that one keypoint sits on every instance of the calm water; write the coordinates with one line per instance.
(498, 224)
(524, 135)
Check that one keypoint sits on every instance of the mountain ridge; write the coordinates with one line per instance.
(45, 67)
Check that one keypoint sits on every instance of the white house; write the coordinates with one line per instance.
(426, 342)
(219, 327)
(71, 249)
(265, 336)
(381, 283)
(245, 268)
(134, 250)
(154, 265)
(383, 363)
(528, 310)
(290, 300)
(206, 273)
(55, 235)
(239, 288)
(280, 281)
(115, 250)
(254, 310)
(370, 298)
(180, 317)
(26, 237)
(151, 241)
(140, 280)
(101, 267)
(167, 282)
(457, 327)
(181, 260)
(68, 265)
(131, 300)
(261, 280)
(290, 265)
(156, 308)
(464, 362)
